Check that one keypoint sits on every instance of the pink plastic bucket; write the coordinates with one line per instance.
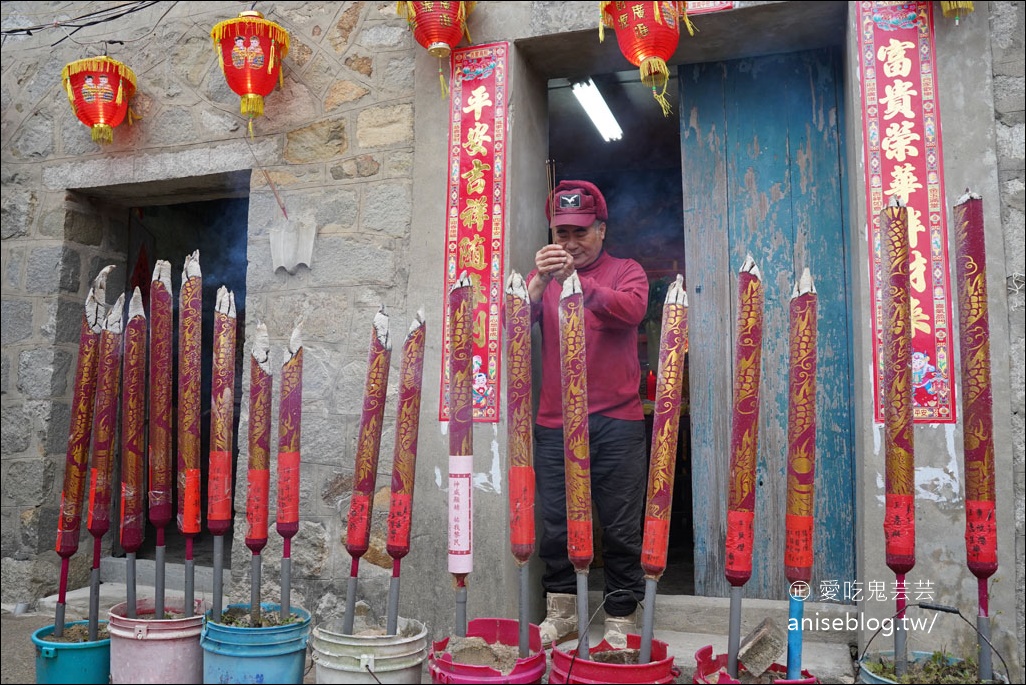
(504, 631)
(713, 669)
(146, 649)
(567, 669)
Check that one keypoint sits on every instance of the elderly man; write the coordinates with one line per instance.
(615, 299)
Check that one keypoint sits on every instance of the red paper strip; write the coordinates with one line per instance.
(476, 216)
(256, 506)
(981, 535)
(288, 488)
(358, 526)
(900, 529)
(579, 543)
(903, 152)
(400, 512)
(654, 546)
(192, 506)
(521, 509)
(219, 497)
(798, 547)
(740, 538)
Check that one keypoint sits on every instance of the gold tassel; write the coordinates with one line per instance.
(655, 74)
(441, 79)
(121, 94)
(71, 94)
(252, 105)
(602, 20)
(250, 127)
(103, 134)
(685, 19)
(956, 9)
(656, 13)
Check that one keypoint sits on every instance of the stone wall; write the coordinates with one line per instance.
(1007, 23)
(336, 142)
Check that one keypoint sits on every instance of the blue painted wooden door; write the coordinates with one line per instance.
(763, 173)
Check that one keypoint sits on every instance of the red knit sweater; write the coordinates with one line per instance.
(615, 300)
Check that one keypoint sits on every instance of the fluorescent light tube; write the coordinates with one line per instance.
(591, 100)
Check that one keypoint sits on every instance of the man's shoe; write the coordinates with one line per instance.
(617, 627)
(560, 622)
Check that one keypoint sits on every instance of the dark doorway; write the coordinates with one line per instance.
(640, 177)
(218, 229)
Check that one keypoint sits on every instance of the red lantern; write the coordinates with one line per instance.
(437, 26)
(648, 33)
(250, 50)
(99, 89)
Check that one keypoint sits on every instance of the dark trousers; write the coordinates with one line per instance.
(619, 471)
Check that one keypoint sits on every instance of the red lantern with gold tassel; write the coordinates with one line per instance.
(99, 89)
(250, 50)
(437, 26)
(648, 33)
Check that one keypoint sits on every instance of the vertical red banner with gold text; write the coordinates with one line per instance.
(902, 139)
(476, 213)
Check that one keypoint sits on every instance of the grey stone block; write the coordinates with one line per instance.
(56, 425)
(388, 208)
(50, 269)
(43, 373)
(26, 482)
(5, 374)
(16, 213)
(16, 319)
(15, 432)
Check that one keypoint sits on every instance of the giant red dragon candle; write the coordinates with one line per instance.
(105, 427)
(133, 438)
(404, 459)
(576, 442)
(899, 518)
(290, 415)
(521, 443)
(368, 446)
(190, 360)
(673, 346)
(899, 457)
(519, 421)
(744, 433)
(744, 447)
(222, 416)
(977, 409)
(159, 445)
(801, 431)
(461, 442)
(80, 433)
(801, 458)
(258, 475)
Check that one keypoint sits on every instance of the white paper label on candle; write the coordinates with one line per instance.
(461, 558)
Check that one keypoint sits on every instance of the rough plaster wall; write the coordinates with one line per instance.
(1009, 56)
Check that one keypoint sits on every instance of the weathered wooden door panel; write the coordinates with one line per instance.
(762, 174)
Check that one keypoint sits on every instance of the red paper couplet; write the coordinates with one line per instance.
(400, 512)
(358, 527)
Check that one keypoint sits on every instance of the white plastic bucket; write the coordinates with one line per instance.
(399, 658)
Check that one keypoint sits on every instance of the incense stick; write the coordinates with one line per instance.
(258, 477)
(133, 418)
(222, 411)
(159, 448)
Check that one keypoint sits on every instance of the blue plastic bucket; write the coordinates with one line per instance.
(71, 662)
(237, 654)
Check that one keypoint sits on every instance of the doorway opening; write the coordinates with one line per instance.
(640, 177)
(168, 220)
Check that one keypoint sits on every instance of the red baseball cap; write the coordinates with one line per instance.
(575, 203)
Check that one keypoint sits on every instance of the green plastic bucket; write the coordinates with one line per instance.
(71, 662)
